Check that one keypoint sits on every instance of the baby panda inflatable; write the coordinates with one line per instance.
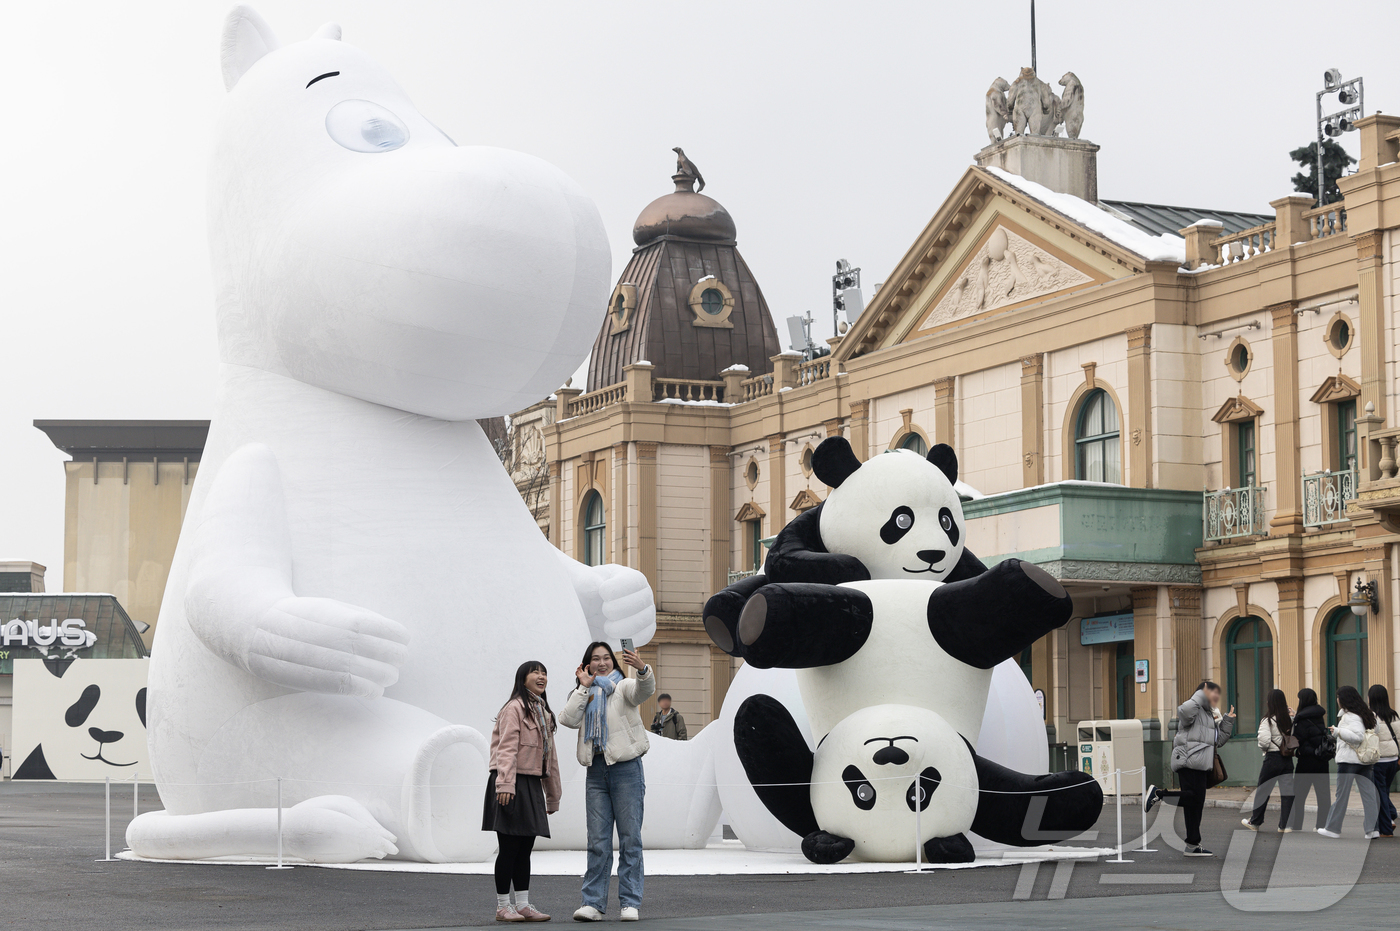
(894, 627)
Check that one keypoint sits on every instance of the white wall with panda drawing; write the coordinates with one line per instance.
(81, 721)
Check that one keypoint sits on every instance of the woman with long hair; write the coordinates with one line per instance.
(1383, 772)
(1354, 719)
(1275, 731)
(523, 789)
(1315, 749)
(611, 742)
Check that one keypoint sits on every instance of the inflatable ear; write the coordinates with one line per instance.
(834, 460)
(943, 456)
(328, 31)
(246, 39)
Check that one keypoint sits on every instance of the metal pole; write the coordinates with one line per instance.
(135, 795)
(279, 865)
(1033, 68)
(107, 834)
(919, 822)
(1321, 188)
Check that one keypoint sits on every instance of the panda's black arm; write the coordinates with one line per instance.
(723, 609)
(777, 761)
(798, 555)
(800, 625)
(968, 567)
(992, 617)
(1027, 811)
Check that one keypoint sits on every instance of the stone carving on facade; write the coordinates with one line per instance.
(1031, 107)
(1008, 269)
(998, 115)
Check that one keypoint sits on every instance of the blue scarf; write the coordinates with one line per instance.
(595, 721)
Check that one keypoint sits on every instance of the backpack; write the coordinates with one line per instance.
(1369, 750)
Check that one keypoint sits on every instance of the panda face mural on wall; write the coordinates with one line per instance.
(80, 719)
(894, 627)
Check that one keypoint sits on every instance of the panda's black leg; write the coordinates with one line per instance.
(777, 761)
(821, 847)
(723, 609)
(984, 620)
(1027, 811)
(955, 849)
(801, 625)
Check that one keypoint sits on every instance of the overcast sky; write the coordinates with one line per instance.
(827, 129)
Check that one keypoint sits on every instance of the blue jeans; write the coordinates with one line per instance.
(615, 796)
(1383, 773)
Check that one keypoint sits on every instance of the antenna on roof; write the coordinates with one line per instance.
(1033, 35)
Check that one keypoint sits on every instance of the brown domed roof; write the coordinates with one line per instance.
(685, 214)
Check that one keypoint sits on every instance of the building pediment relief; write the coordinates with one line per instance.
(750, 511)
(1236, 409)
(1337, 388)
(806, 500)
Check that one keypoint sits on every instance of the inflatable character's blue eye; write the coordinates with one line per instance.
(362, 126)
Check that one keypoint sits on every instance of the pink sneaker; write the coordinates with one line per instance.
(508, 913)
(530, 913)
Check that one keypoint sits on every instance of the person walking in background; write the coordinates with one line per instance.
(523, 788)
(1383, 772)
(1277, 743)
(1200, 729)
(668, 723)
(611, 742)
(1353, 722)
(1315, 750)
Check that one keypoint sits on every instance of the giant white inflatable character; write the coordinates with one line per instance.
(357, 576)
(894, 628)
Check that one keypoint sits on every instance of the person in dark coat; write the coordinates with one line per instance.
(1315, 750)
(668, 722)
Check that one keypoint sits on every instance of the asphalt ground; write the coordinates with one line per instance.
(51, 836)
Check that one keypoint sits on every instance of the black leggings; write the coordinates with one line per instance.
(1191, 799)
(513, 862)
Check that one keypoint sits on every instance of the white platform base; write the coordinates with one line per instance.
(729, 858)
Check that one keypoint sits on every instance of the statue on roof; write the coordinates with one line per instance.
(1034, 106)
(685, 166)
(998, 114)
(1072, 104)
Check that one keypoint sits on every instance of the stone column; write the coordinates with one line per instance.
(943, 423)
(1198, 237)
(554, 512)
(1288, 509)
(1139, 406)
(620, 550)
(720, 523)
(1289, 661)
(1289, 227)
(1188, 643)
(1370, 298)
(860, 429)
(1032, 419)
(1145, 600)
(646, 516)
(1380, 660)
(777, 484)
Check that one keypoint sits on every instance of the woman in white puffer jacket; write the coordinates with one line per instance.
(1274, 730)
(1353, 722)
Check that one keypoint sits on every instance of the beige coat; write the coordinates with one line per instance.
(627, 737)
(518, 746)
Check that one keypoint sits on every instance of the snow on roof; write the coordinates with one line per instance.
(1163, 248)
(736, 367)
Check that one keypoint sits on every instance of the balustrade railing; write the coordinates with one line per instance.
(597, 400)
(737, 574)
(1232, 513)
(809, 373)
(1325, 497)
(1328, 220)
(680, 389)
(1244, 245)
(759, 386)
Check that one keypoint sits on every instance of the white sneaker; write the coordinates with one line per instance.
(629, 913)
(1249, 824)
(1326, 833)
(588, 913)
(1372, 835)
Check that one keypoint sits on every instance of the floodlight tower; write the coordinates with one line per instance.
(845, 295)
(1351, 95)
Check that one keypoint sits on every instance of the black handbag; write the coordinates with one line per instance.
(1218, 773)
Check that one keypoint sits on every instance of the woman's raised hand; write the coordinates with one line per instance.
(633, 660)
(583, 677)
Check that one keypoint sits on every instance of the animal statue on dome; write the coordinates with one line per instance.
(355, 566)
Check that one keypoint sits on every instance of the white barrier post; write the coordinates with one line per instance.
(135, 794)
(1144, 848)
(918, 822)
(279, 865)
(107, 823)
(1118, 786)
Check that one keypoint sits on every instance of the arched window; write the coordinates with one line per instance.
(594, 528)
(912, 441)
(1249, 671)
(1346, 654)
(1096, 450)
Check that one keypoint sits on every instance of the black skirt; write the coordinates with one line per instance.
(525, 816)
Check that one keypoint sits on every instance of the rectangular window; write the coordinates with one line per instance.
(1346, 435)
(1244, 443)
(755, 529)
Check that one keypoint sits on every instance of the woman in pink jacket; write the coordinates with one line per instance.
(523, 789)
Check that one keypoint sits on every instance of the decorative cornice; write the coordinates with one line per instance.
(719, 454)
(1093, 571)
(750, 511)
(1186, 600)
(1236, 409)
(943, 387)
(1368, 245)
(775, 443)
(1033, 365)
(860, 410)
(1284, 315)
(1089, 369)
(1139, 337)
(833, 427)
(805, 500)
(1144, 598)
(1290, 588)
(1338, 387)
(647, 450)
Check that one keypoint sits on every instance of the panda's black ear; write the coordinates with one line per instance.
(943, 456)
(834, 461)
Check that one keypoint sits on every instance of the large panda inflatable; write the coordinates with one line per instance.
(894, 627)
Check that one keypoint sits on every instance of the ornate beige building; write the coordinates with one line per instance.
(1183, 413)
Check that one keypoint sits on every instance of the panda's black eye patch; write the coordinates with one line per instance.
(78, 712)
(929, 780)
(862, 792)
(901, 520)
(950, 526)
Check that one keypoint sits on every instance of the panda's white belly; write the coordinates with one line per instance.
(899, 664)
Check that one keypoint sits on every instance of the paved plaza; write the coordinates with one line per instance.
(51, 836)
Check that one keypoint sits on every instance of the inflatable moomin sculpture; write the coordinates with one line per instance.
(357, 576)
